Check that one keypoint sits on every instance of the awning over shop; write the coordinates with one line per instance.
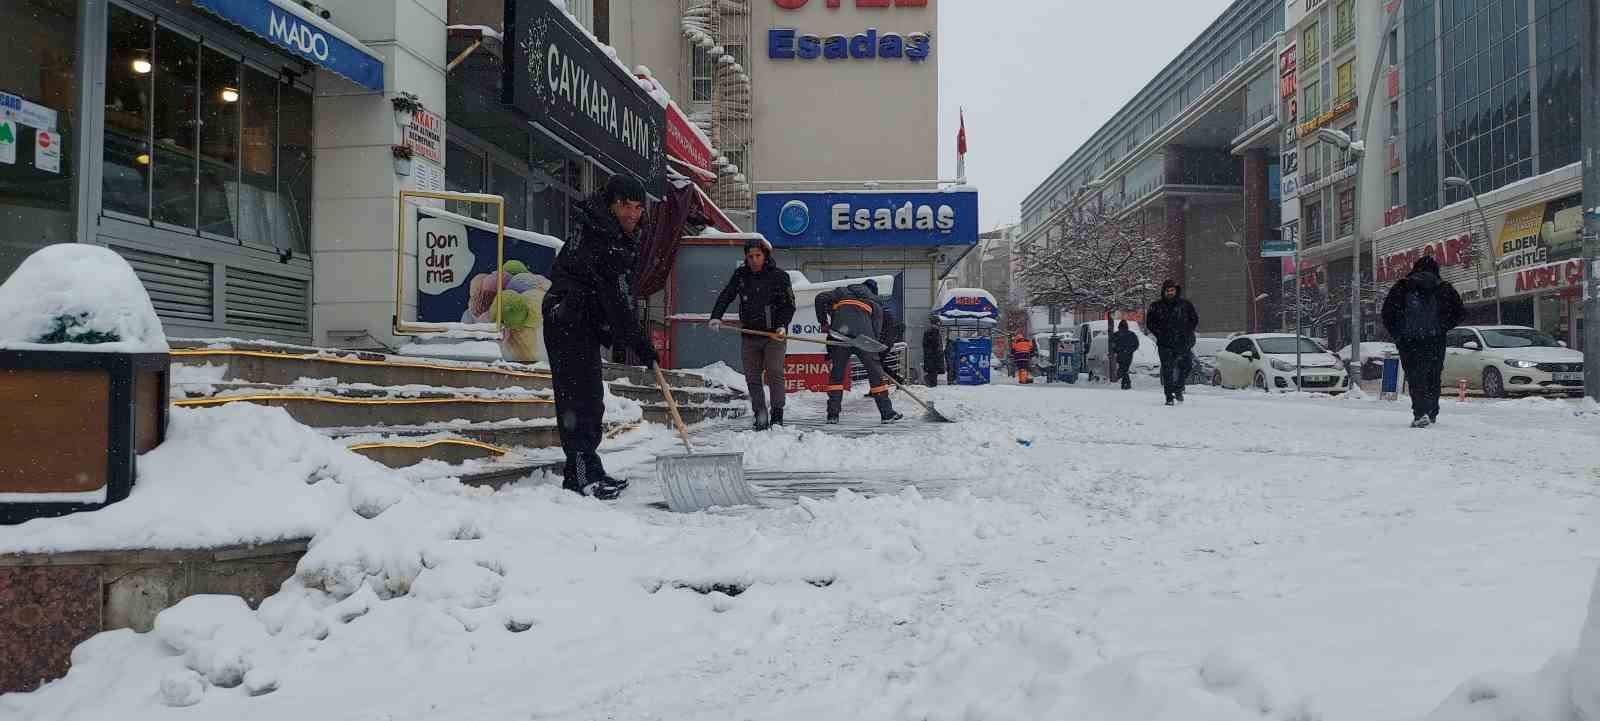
(287, 25)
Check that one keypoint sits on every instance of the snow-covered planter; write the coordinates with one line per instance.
(83, 368)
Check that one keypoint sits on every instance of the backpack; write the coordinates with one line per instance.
(1421, 316)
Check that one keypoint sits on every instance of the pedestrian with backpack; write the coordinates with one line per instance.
(1419, 310)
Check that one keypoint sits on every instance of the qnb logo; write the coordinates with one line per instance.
(795, 217)
(834, 4)
(295, 35)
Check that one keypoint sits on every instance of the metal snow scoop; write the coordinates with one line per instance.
(933, 414)
(695, 482)
(860, 342)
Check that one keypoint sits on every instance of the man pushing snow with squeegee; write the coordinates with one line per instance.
(845, 314)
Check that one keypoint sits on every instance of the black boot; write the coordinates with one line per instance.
(762, 421)
(777, 417)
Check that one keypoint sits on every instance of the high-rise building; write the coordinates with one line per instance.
(1486, 97)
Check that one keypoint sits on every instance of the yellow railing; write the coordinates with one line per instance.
(400, 326)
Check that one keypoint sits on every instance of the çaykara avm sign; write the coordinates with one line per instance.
(306, 38)
(871, 219)
(568, 88)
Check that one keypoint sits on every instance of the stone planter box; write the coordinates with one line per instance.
(75, 425)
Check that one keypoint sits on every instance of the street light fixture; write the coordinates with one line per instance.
(1459, 182)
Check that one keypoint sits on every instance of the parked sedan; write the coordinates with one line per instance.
(1267, 361)
(1510, 360)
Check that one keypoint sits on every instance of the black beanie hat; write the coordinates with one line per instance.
(871, 285)
(623, 187)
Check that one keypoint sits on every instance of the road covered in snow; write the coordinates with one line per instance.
(1065, 552)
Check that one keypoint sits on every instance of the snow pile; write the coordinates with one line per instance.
(230, 475)
(1565, 689)
(721, 374)
(78, 297)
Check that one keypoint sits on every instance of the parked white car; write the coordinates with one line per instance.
(1146, 360)
(1267, 361)
(1510, 360)
(1372, 355)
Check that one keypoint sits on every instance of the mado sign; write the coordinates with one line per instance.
(870, 219)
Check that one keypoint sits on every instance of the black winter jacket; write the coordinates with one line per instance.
(1173, 321)
(852, 311)
(1124, 343)
(591, 283)
(766, 298)
(1424, 277)
(932, 344)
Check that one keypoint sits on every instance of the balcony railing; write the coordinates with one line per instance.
(1344, 35)
(1312, 235)
(1310, 55)
(1257, 116)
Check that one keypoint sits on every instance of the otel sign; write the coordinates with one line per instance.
(785, 43)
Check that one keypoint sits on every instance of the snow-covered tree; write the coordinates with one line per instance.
(1323, 308)
(1098, 260)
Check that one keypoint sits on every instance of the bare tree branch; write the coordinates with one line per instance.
(1099, 260)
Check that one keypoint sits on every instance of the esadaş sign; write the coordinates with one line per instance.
(868, 219)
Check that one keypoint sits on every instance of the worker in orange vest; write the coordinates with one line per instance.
(1022, 356)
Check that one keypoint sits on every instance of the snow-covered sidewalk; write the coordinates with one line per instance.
(1073, 552)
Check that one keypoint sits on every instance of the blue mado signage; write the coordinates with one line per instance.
(876, 219)
(302, 37)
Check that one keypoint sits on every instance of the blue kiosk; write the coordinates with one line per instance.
(967, 317)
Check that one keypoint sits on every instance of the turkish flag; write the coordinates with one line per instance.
(961, 137)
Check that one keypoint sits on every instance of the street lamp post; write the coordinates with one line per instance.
(1358, 150)
(1483, 220)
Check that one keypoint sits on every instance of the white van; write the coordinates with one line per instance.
(1146, 360)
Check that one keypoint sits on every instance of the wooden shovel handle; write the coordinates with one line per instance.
(672, 408)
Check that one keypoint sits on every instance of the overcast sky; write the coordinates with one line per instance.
(1038, 77)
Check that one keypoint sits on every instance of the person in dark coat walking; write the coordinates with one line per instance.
(589, 305)
(850, 312)
(932, 352)
(1419, 310)
(1172, 319)
(766, 303)
(1123, 344)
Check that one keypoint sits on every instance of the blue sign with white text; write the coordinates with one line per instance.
(305, 38)
(868, 219)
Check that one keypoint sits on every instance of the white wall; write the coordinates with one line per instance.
(354, 204)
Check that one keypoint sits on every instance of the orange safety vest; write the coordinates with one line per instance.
(1022, 346)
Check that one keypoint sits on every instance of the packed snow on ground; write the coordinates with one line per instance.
(78, 297)
(1060, 552)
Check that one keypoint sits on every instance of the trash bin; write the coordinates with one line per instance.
(1391, 378)
(1067, 361)
(972, 361)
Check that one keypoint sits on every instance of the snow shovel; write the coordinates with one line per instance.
(933, 414)
(863, 343)
(695, 482)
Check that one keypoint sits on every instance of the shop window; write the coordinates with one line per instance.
(219, 142)
(177, 128)
(130, 68)
(508, 184)
(1313, 224)
(1344, 22)
(464, 173)
(1394, 190)
(602, 21)
(39, 50)
(1347, 212)
(198, 139)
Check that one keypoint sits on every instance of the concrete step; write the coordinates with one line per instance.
(338, 410)
(279, 364)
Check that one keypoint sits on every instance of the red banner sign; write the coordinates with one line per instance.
(684, 143)
(1449, 252)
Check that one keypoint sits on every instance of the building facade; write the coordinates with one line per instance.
(804, 98)
(1489, 94)
(1196, 152)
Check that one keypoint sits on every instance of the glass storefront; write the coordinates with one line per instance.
(38, 198)
(180, 141)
